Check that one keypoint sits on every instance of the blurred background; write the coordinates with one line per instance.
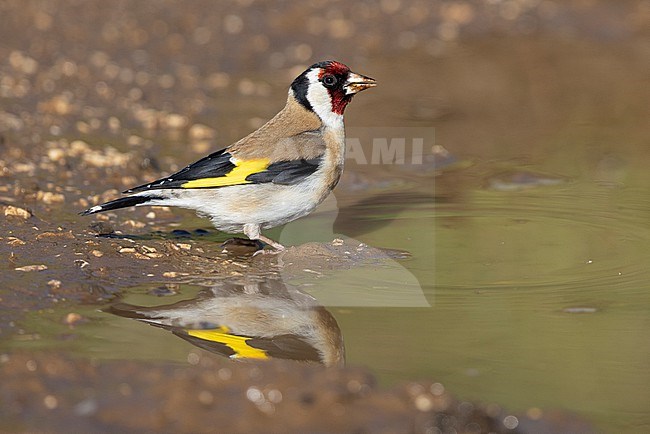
(527, 221)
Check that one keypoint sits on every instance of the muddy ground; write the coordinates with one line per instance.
(96, 97)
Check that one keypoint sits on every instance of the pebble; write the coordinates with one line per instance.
(580, 310)
(50, 235)
(135, 224)
(72, 318)
(206, 397)
(55, 154)
(50, 402)
(86, 407)
(174, 274)
(101, 228)
(54, 283)
(201, 132)
(423, 403)
(17, 212)
(49, 197)
(174, 121)
(13, 241)
(27, 268)
(510, 422)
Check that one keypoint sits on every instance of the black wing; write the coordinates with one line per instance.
(215, 165)
(286, 172)
(219, 170)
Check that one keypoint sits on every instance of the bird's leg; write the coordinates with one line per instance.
(252, 231)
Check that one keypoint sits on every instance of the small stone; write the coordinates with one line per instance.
(101, 228)
(581, 309)
(13, 241)
(201, 146)
(54, 283)
(184, 246)
(97, 253)
(134, 224)
(127, 250)
(510, 422)
(423, 403)
(206, 397)
(174, 121)
(165, 290)
(28, 268)
(55, 154)
(86, 407)
(50, 402)
(49, 197)
(17, 212)
(337, 242)
(437, 389)
(174, 274)
(72, 318)
(55, 235)
(201, 132)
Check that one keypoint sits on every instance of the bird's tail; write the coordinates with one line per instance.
(122, 202)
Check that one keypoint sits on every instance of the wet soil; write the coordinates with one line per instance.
(50, 392)
(95, 98)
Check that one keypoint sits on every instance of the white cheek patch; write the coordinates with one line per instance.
(320, 101)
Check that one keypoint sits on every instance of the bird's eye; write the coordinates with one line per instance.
(329, 80)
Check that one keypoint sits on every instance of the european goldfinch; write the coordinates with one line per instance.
(274, 175)
(249, 320)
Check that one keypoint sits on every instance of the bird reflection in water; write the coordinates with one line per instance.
(257, 318)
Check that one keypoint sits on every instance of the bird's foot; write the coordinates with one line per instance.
(270, 242)
(267, 252)
(277, 247)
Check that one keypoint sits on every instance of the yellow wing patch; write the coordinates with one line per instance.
(235, 177)
(236, 343)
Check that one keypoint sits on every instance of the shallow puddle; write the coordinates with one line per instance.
(504, 293)
(510, 264)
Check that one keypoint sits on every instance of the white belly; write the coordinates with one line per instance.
(267, 205)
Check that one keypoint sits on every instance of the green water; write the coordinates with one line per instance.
(527, 297)
(537, 299)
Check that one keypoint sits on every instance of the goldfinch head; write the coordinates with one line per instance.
(327, 87)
